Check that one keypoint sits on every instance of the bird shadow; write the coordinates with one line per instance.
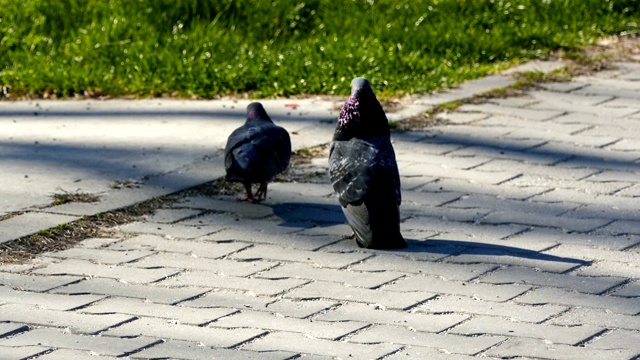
(311, 215)
(449, 248)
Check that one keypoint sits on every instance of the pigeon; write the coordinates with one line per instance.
(364, 172)
(256, 152)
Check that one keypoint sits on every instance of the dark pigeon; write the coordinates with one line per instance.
(364, 172)
(256, 152)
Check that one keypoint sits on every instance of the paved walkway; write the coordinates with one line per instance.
(521, 215)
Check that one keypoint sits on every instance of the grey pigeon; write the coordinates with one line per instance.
(256, 152)
(364, 172)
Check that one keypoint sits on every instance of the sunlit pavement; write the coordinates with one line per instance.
(521, 215)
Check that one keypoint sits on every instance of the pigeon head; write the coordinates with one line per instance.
(255, 111)
(362, 114)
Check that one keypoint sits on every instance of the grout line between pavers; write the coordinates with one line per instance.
(129, 353)
(484, 351)
(347, 336)
(129, 320)
(209, 322)
(411, 307)
(614, 288)
(250, 340)
(554, 316)
(394, 352)
(191, 298)
(592, 338)
(380, 286)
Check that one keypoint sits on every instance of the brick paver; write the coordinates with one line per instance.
(520, 213)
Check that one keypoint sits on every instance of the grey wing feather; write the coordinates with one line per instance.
(350, 169)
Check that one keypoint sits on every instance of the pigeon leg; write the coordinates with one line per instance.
(249, 198)
(261, 194)
(350, 236)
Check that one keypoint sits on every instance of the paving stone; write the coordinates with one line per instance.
(205, 249)
(623, 227)
(226, 204)
(481, 177)
(57, 338)
(193, 262)
(535, 348)
(111, 287)
(257, 235)
(404, 335)
(179, 314)
(412, 213)
(563, 297)
(516, 257)
(461, 118)
(420, 199)
(178, 349)
(298, 309)
(510, 244)
(35, 283)
(597, 317)
(514, 206)
(593, 253)
(170, 230)
(582, 108)
(321, 258)
(21, 352)
(612, 268)
(331, 214)
(625, 145)
(548, 183)
(313, 328)
(421, 352)
(445, 304)
(299, 343)
(126, 274)
(376, 314)
(601, 241)
(46, 301)
(563, 86)
(504, 190)
(467, 89)
(471, 229)
(100, 256)
(479, 325)
(528, 114)
(30, 223)
(221, 220)
(520, 101)
(447, 271)
(477, 290)
(97, 243)
(237, 299)
(168, 216)
(594, 156)
(167, 329)
(347, 277)
(8, 329)
(73, 321)
(554, 100)
(65, 354)
(546, 170)
(632, 289)
(210, 280)
(335, 291)
(444, 161)
(616, 340)
(544, 220)
(525, 275)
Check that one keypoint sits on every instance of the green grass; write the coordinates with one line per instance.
(284, 47)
